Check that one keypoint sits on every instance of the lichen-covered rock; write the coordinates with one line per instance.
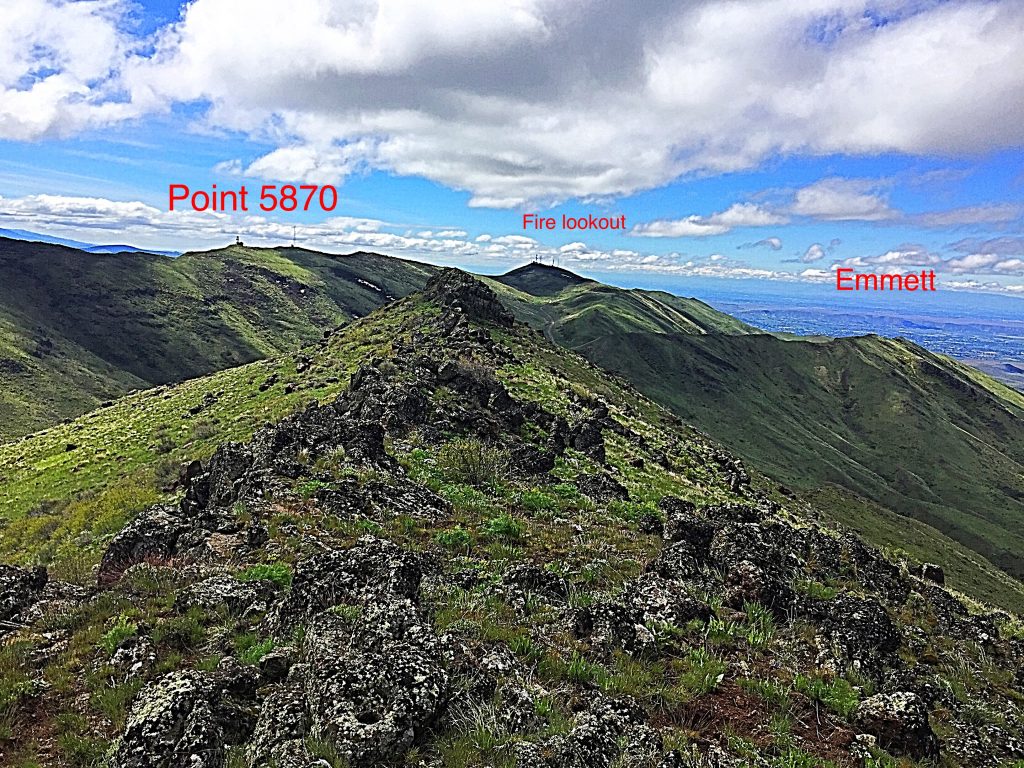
(900, 723)
(683, 523)
(171, 724)
(374, 571)
(536, 580)
(279, 737)
(152, 537)
(601, 487)
(598, 736)
(224, 592)
(677, 562)
(858, 632)
(188, 718)
(19, 589)
(373, 686)
(660, 601)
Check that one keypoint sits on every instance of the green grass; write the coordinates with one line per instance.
(835, 693)
(279, 573)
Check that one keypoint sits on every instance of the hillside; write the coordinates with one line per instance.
(453, 543)
(910, 430)
(80, 328)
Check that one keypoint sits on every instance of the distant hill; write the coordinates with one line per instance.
(893, 425)
(36, 237)
(540, 279)
(908, 429)
(896, 426)
(79, 328)
(584, 310)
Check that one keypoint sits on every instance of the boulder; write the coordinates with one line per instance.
(151, 537)
(171, 724)
(683, 523)
(374, 571)
(375, 685)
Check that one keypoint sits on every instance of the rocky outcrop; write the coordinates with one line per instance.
(454, 289)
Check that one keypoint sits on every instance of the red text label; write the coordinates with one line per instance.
(286, 198)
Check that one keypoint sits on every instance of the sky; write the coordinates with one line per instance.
(771, 140)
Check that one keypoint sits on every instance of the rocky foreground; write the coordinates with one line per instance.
(486, 552)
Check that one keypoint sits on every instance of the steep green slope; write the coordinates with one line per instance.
(78, 328)
(896, 424)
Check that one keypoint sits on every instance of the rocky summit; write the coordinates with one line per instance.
(484, 551)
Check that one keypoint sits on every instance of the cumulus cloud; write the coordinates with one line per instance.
(737, 215)
(1003, 246)
(986, 263)
(912, 258)
(56, 64)
(528, 100)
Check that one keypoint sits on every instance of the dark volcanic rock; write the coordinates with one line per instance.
(152, 537)
(858, 632)
(683, 523)
(373, 571)
(187, 719)
(601, 487)
(373, 686)
(454, 288)
(586, 437)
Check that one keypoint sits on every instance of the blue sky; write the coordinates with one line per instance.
(767, 142)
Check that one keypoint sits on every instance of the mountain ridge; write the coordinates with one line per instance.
(477, 549)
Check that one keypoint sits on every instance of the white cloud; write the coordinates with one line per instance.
(737, 215)
(812, 273)
(507, 98)
(1005, 246)
(839, 199)
(986, 263)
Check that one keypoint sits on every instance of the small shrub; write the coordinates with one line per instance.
(537, 501)
(815, 589)
(251, 648)
(704, 673)
(836, 693)
(471, 461)
(308, 488)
